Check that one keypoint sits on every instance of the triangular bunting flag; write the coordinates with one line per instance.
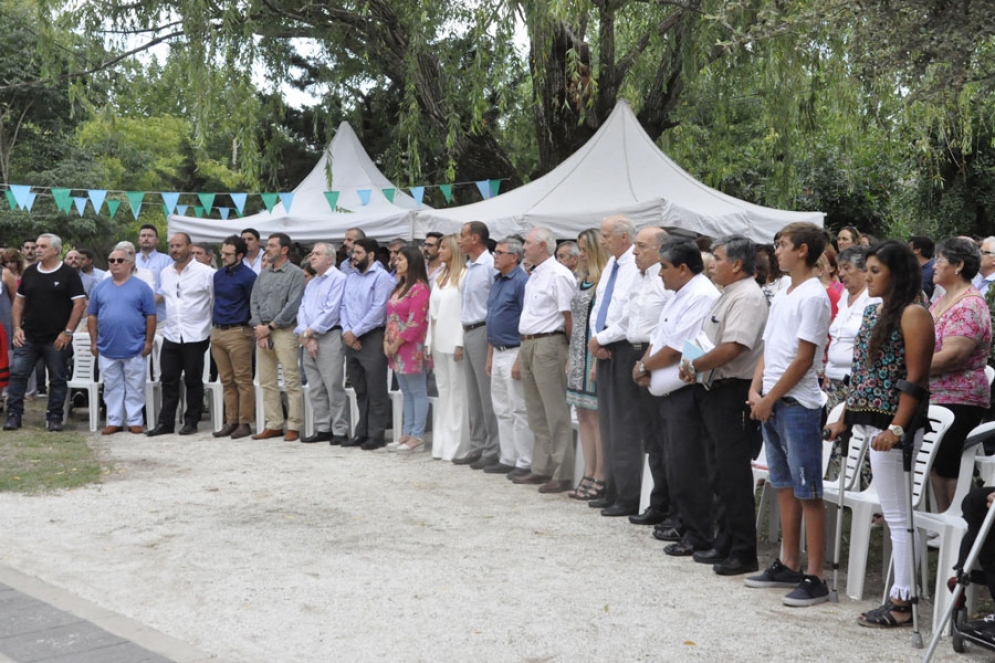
(63, 199)
(207, 200)
(135, 200)
(165, 211)
(269, 199)
(170, 198)
(447, 192)
(389, 194)
(287, 199)
(495, 187)
(10, 199)
(80, 204)
(238, 199)
(364, 196)
(31, 200)
(484, 187)
(182, 209)
(225, 211)
(112, 206)
(21, 192)
(198, 211)
(97, 197)
(418, 193)
(333, 198)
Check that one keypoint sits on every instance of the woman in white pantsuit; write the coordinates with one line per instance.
(450, 426)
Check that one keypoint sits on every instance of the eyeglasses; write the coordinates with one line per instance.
(503, 253)
(116, 260)
(988, 253)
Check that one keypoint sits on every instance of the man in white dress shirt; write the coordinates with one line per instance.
(544, 324)
(187, 291)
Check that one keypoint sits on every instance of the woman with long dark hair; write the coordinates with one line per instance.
(404, 344)
(895, 342)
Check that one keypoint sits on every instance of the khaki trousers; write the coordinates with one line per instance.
(232, 352)
(544, 377)
(285, 353)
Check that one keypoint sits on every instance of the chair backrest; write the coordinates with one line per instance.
(940, 420)
(152, 372)
(827, 446)
(854, 461)
(84, 363)
(990, 374)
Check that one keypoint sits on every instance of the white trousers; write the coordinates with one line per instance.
(508, 397)
(891, 483)
(450, 416)
(124, 389)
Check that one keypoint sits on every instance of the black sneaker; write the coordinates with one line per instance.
(13, 422)
(55, 425)
(810, 591)
(776, 575)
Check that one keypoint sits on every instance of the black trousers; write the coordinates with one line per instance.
(186, 359)
(686, 459)
(974, 508)
(730, 435)
(622, 427)
(367, 371)
(655, 446)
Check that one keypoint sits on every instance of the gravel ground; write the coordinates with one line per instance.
(273, 551)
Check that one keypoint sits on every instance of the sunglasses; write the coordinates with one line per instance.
(116, 260)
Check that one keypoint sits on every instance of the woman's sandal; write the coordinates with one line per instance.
(595, 491)
(882, 617)
(581, 488)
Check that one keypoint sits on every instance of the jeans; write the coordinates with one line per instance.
(23, 365)
(793, 439)
(414, 387)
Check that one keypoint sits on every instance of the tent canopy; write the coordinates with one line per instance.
(618, 171)
(344, 167)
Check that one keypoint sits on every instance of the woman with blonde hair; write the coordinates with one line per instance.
(450, 429)
(580, 379)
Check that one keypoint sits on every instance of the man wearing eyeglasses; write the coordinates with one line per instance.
(187, 290)
(121, 321)
(986, 273)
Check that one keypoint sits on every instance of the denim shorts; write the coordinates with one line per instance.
(793, 445)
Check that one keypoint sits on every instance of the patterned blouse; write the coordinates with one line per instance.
(968, 317)
(407, 318)
(873, 398)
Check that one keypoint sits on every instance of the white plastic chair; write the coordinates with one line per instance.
(84, 377)
(153, 383)
(217, 393)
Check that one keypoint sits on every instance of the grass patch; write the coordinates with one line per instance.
(35, 461)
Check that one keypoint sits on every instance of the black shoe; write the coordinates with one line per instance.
(619, 509)
(225, 431)
(55, 425)
(601, 503)
(650, 516)
(518, 472)
(734, 566)
(672, 534)
(319, 436)
(711, 556)
(372, 444)
(680, 549)
(338, 440)
(161, 429)
(357, 441)
(13, 422)
(468, 459)
(483, 462)
(188, 429)
(498, 468)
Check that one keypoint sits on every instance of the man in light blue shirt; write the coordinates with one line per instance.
(319, 332)
(986, 273)
(364, 316)
(149, 258)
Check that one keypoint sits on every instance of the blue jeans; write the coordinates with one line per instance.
(23, 364)
(415, 390)
(793, 445)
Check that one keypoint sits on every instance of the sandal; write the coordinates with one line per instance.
(884, 617)
(581, 488)
(595, 491)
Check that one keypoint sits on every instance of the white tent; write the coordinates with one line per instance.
(618, 171)
(310, 219)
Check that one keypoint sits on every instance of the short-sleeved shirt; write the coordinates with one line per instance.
(547, 296)
(504, 308)
(48, 301)
(738, 316)
(121, 311)
(799, 314)
(843, 333)
(969, 317)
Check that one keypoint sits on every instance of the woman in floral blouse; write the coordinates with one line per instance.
(404, 345)
(963, 340)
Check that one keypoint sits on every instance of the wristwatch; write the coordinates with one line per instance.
(896, 430)
(642, 367)
(270, 325)
(67, 332)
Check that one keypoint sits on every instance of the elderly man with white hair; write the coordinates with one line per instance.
(543, 358)
(142, 274)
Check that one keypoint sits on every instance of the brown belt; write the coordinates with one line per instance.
(532, 337)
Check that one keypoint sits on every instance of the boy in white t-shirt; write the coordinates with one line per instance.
(785, 396)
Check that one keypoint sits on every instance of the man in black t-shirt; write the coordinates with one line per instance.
(49, 304)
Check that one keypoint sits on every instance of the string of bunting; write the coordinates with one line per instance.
(22, 197)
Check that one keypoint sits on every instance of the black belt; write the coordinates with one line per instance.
(227, 327)
(722, 383)
(467, 328)
(532, 337)
(335, 327)
(502, 348)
